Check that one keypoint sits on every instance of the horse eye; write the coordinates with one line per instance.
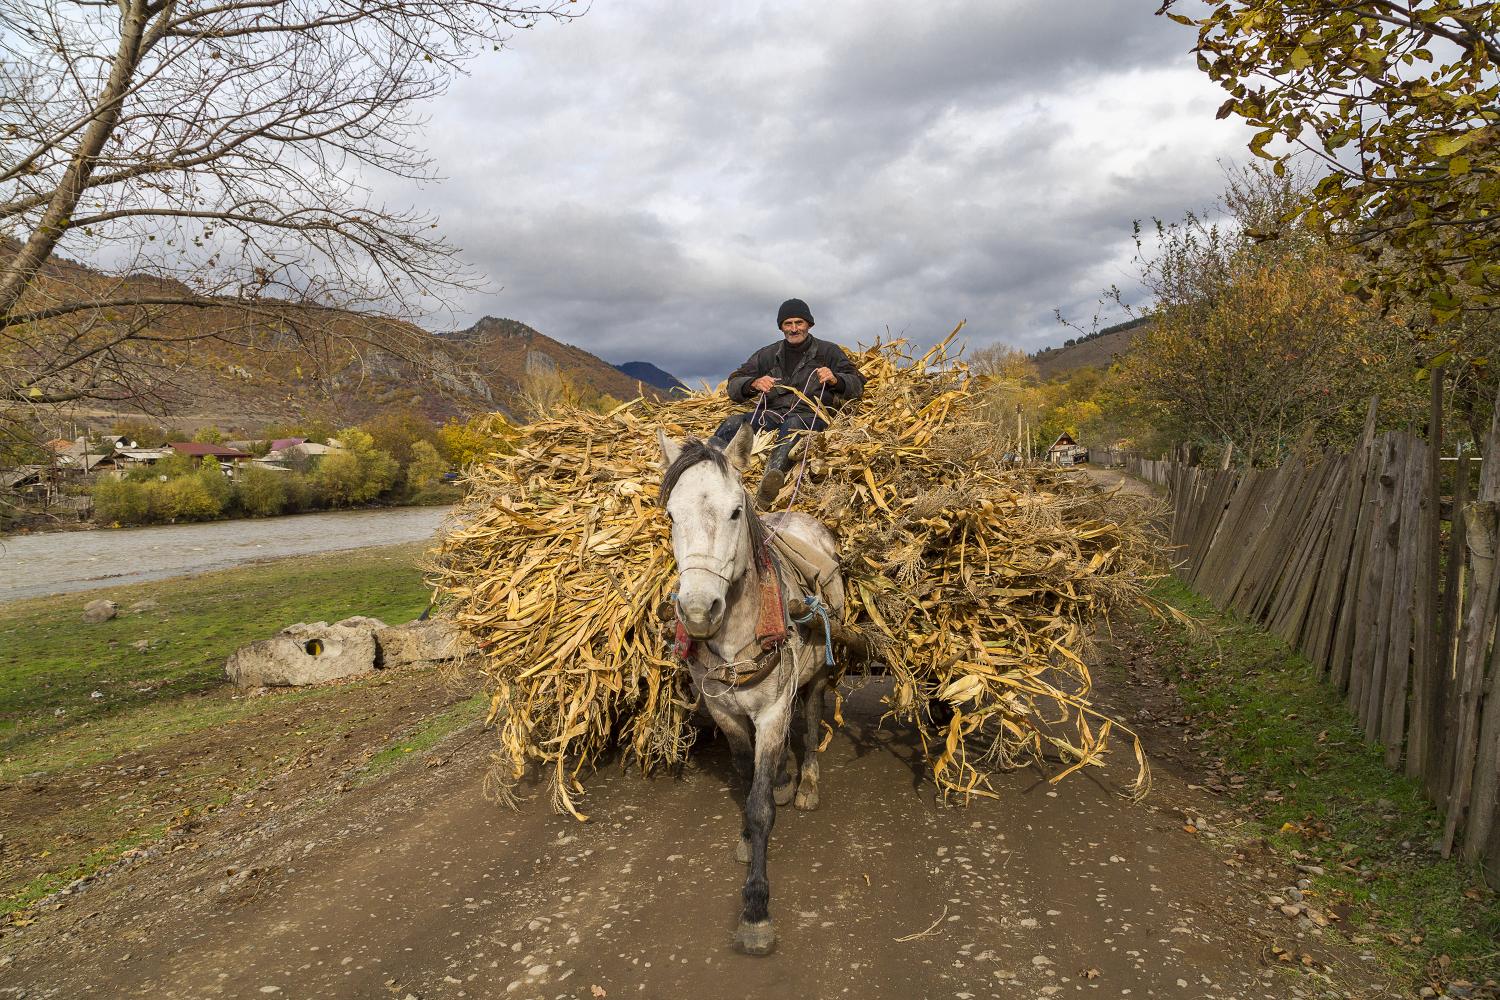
(736, 515)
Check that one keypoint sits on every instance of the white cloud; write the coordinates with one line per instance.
(649, 181)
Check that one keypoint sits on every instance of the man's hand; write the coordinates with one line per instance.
(765, 382)
(826, 376)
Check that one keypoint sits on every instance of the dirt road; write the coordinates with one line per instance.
(415, 887)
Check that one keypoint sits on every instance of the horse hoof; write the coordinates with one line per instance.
(742, 851)
(783, 793)
(755, 939)
(807, 799)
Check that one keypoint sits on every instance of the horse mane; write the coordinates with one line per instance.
(695, 451)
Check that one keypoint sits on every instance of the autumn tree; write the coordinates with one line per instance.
(356, 473)
(217, 154)
(1399, 102)
(1251, 344)
(464, 442)
(398, 430)
(426, 468)
(1004, 362)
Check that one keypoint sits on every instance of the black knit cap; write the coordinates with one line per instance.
(793, 308)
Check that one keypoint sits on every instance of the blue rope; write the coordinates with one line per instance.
(815, 607)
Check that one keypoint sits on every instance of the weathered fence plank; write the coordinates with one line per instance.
(1427, 654)
(1404, 627)
(1337, 570)
(1341, 654)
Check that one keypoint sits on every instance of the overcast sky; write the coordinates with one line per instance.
(650, 180)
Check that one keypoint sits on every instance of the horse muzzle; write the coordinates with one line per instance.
(701, 615)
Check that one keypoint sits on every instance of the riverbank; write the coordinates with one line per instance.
(57, 563)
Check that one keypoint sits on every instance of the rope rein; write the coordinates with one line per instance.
(815, 609)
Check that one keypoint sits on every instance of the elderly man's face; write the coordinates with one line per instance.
(794, 330)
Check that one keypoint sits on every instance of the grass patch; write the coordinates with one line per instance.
(424, 735)
(1324, 793)
(103, 746)
(57, 674)
(48, 883)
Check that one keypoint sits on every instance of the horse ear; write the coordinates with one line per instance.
(738, 451)
(669, 449)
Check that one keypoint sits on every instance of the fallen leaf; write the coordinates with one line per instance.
(1091, 974)
(597, 990)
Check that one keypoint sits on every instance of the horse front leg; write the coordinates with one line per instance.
(740, 736)
(755, 935)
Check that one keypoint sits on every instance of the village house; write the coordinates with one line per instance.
(1066, 451)
(229, 459)
(290, 453)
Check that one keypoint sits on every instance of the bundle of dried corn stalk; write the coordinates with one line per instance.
(983, 580)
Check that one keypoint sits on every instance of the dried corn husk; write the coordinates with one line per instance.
(978, 582)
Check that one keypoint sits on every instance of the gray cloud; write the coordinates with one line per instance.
(649, 181)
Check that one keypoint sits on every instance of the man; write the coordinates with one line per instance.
(819, 369)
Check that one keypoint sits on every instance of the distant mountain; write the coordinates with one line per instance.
(1094, 350)
(645, 371)
(505, 350)
(266, 377)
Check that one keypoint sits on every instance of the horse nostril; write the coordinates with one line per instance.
(715, 610)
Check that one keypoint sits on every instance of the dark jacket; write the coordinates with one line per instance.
(772, 360)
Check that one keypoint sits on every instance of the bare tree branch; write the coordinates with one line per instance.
(218, 154)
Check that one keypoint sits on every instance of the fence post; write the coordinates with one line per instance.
(1428, 652)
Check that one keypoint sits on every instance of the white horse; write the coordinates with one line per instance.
(748, 688)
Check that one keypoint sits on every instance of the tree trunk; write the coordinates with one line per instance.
(22, 268)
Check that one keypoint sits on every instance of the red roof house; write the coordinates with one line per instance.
(198, 449)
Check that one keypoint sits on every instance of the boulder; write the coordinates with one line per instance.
(149, 604)
(420, 644)
(304, 654)
(95, 612)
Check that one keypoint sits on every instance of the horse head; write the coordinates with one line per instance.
(713, 525)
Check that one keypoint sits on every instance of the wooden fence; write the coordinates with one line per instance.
(1346, 560)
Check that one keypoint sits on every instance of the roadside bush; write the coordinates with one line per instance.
(118, 501)
(188, 499)
(262, 493)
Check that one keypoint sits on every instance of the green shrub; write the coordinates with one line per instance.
(358, 473)
(188, 499)
(337, 479)
(262, 493)
(118, 501)
(300, 495)
(158, 502)
(175, 464)
(216, 483)
(426, 468)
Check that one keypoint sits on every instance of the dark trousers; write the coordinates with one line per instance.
(788, 427)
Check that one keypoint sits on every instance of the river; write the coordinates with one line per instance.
(63, 561)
